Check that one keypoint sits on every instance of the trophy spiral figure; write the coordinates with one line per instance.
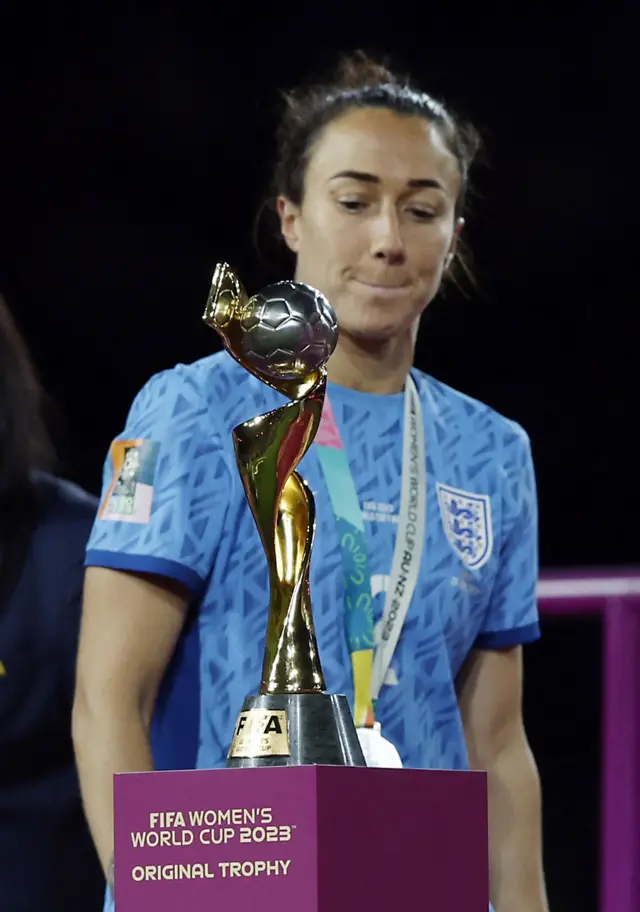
(283, 335)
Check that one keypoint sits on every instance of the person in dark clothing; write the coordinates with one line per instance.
(47, 860)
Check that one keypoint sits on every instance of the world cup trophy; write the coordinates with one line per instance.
(284, 335)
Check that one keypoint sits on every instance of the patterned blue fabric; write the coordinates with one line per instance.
(477, 578)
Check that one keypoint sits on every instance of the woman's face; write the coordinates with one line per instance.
(377, 220)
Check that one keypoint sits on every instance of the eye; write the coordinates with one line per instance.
(352, 205)
(422, 215)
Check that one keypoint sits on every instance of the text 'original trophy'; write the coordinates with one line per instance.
(284, 336)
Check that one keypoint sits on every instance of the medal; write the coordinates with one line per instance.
(378, 751)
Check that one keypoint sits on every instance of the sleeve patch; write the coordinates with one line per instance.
(129, 497)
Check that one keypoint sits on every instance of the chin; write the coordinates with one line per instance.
(377, 321)
(372, 332)
(376, 327)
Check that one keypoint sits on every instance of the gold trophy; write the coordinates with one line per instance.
(284, 336)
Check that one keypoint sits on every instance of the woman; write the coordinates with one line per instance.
(370, 189)
(47, 859)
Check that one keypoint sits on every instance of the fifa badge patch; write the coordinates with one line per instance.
(466, 518)
(130, 494)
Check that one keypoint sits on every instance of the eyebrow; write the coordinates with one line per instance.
(367, 178)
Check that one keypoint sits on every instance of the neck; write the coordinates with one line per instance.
(372, 367)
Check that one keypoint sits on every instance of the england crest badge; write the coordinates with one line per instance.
(466, 518)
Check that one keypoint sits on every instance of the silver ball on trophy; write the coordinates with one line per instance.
(289, 330)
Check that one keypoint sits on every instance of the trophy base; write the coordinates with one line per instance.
(295, 730)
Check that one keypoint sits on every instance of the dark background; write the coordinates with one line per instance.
(135, 148)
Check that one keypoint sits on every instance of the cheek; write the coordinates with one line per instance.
(328, 240)
(430, 250)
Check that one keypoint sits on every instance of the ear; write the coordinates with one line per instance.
(289, 215)
(457, 231)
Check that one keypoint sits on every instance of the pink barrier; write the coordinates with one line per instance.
(616, 597)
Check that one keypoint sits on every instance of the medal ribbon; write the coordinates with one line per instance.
(369, 669)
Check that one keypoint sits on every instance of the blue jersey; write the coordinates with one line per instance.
(173, 504)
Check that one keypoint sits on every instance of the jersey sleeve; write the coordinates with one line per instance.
(512, 616)
(165, 486)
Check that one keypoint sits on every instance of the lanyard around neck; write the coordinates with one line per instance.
(370, 665)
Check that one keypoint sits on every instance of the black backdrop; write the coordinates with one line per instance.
(135, 148)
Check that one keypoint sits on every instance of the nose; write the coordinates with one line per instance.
(387, 243)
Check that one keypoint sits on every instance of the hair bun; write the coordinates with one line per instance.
(360, 71)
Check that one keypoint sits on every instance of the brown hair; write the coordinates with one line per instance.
(360, 82)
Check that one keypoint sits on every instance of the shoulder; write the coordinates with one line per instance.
(66, 513)
(213, 374)
(216, 385)
(188, 383)
(47, 597)
(471, 418)
(64, 502)
(491, 450)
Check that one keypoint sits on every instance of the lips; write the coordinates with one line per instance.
(384, 287)
(380, 285)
